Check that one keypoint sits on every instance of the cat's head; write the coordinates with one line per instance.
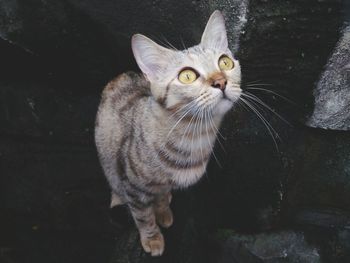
(206, 76)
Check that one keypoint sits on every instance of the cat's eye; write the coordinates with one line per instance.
(187, 76)
(225, 63)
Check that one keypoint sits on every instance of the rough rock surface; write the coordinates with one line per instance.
(332, 94)
(269, 248)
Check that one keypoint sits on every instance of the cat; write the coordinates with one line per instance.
(155, 131)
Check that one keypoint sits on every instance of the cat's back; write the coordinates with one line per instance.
(120, 96)
(124, 90)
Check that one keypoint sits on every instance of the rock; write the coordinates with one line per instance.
(128, 249)
(62, 44)
(332, 96)
(236, 16)
(78, 46)
(319, 178)
(277, 247)
(277, 55)
(330, 218)
(347, 11)
(179, 23)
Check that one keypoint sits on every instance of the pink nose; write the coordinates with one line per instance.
(219, 83)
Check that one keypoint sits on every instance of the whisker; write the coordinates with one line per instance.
(168, 44)
(185, 132)
(194, 131)
(206, 174)
(256, 99)
(191, 106)
(261, 117)
(200, 131)
(258, 84)
(194, 134)
(182, 108)
(182, 116)
(212, 148)
(275, 93)
(254, 81)
(183, 43)
(214, 128)
(264, 121)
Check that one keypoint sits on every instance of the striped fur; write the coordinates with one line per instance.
(153, 134)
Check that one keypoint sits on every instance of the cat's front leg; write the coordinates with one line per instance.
(151, 238)
(163, 213)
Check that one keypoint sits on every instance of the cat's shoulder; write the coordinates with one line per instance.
(126, 82)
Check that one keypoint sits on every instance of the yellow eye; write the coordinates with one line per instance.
(225, 63)
(187, 76)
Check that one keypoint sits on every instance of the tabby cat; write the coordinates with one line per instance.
(155, 132)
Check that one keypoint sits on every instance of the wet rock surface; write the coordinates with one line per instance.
(332, 110)
(55, 58)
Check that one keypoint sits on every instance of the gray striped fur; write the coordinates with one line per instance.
(154, 134)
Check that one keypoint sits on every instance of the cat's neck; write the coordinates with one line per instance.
(190, 131)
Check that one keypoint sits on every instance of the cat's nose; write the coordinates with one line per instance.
(219, 83)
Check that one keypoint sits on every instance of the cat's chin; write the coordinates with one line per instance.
(224, 105)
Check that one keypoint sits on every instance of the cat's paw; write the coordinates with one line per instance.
(115, 200)
(165, 218)
(153, 245)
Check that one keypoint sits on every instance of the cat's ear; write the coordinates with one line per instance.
(150, 57)
(214, 35)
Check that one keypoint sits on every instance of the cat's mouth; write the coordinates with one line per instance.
(225, 98)
(231, 97)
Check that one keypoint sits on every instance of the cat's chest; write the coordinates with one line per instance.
(185, 158)
(185, 178)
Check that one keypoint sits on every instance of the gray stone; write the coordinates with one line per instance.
(330, 218)
(183, 22)
(320, 175)
(236, 16)
(128, 249)
(332, 94)
(269, 248)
